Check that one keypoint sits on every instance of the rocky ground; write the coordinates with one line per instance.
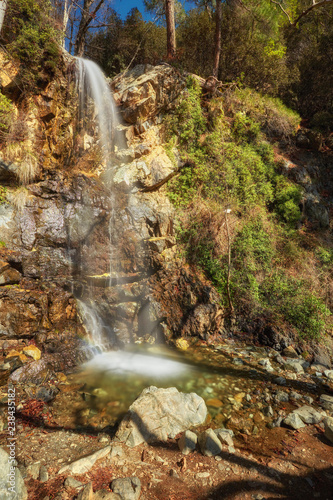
(278, 445)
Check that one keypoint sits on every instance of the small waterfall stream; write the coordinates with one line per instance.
(97, 106)
(97, 110)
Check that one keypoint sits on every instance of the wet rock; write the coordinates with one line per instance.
(187, 442)
(46, 394)
(128, 488)
(159, 414)
(309, 415)
(83, 465)
(328, 422)
(210, 444)
(294, 421)
(11, 482)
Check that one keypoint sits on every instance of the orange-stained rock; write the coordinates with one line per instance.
(33, 352)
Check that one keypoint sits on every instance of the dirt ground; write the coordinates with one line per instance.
(278, 464)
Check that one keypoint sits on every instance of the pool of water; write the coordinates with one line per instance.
(111, 381)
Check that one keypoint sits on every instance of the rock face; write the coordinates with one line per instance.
(11, 483)
(60, 225)
(159, 414)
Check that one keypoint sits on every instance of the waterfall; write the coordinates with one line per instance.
(97, 109)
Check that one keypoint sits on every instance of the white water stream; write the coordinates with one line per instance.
(94, 92)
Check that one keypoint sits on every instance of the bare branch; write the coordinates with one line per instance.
(283, 10)
(314, 5)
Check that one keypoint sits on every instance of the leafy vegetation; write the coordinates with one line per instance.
(30, 36)
(230, 194)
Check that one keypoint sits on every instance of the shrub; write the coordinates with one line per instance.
(273, 117)
(31, 37)
(7, 114)
(287, 200)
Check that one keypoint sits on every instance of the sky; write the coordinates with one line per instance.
(122, 7)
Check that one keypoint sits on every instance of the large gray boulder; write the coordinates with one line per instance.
(159, 414)
(11, 482)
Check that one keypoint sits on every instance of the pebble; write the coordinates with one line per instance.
(187, 442)
(43, 474)
(70, 482)
(282, 397)
(202, 475)
(209, 443)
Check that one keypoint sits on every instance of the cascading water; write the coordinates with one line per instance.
(97, 108)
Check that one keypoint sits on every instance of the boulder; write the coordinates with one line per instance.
(145, 91)
(160, 414)
(12, 486)
(128, 488)
(294, 421)
(309, 415)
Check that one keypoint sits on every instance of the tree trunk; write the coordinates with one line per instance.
(3, 7)
(217, 49)
(171, 30)
(67, 9)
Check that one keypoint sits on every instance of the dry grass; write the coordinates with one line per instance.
(19, 198)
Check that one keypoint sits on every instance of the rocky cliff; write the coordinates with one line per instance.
(54, 222)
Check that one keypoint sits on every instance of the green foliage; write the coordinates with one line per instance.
(292, 299)
(274, 118)
(229, 163)
(287, 199)
(6, 113)
(3, 195)
(31, 37)
(188, 122)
